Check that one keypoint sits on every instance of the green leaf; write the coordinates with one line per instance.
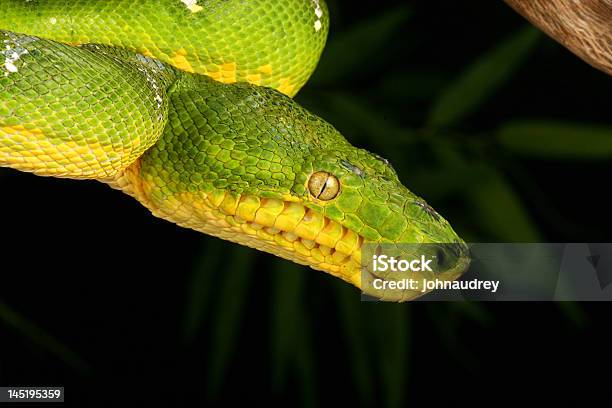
(480, 80)
(391, 324)
(305, 365)
(498, 209)
(544, 139)
(407, 87)
(435, 183)
(353, 48)
(491, 202)
(446, 325)
(42, 338)
(474, 311)
(291, 339)
(447, 174)
(350, 315)
(228, 313)
(574, 312)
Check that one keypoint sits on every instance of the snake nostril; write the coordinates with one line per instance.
(447, 256)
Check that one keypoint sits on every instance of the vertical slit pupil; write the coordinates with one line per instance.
(323, 187)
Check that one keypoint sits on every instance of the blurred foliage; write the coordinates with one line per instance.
(419, 118)
(42, 338)
(560, 140)
(480, 80)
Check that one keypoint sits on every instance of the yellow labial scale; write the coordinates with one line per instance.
(247, 229)
(281, 241)
(301, 249)
(269, 211)
(348, 243)
(310, 225)
(239, 220)
(263, 234)
(290, 217)
(248, 207)
(232, 221)
(339, 257)
(290, 236)
(308, 243)
(317, 255)
(325, 250)
(330, 235)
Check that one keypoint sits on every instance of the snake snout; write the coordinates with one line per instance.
(428, 250)
(447, 257)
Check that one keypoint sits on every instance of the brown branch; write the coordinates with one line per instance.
(583, 26)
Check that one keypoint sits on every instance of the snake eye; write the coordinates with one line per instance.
(323, 185)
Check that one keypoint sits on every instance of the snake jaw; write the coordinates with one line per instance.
(285, 226)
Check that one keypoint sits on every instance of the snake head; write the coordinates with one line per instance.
(249, 164)
(361, 199)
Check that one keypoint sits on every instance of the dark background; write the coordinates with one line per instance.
(501, 129)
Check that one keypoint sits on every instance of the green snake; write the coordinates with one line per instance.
(186, 106)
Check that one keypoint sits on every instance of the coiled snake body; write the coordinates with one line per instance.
(185, 105)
